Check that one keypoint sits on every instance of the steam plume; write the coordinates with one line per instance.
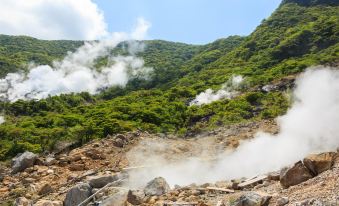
(77, 72)
(310, 125)
(227, 91)
(2, 119)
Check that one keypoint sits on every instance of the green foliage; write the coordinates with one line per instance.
(16, 52)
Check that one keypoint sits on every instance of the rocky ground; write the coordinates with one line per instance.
(100, 168)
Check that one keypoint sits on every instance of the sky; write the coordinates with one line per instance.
(189, 21)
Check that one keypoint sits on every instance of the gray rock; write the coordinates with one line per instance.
(157, 186)
(77, 194)
(282, 201)
(101, 181)
(135, 197)
(251, 199)
(294, 175)
(23, 161)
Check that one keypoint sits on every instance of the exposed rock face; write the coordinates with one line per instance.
(252, 199)
(135, 197)
(157, 186)
(23, 161)
(318, 163)
(294, 175)
(101, 181)
(77, 194)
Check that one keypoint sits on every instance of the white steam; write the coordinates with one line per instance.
(77, 72)
(2, 119)
(227, 91)
(310, 125)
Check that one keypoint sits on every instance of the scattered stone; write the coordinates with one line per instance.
(22, 201)
(77, 167)
(101, 181)
(63, 146)
(251, 199)
(50, 171)
(135, 197)
(39, 161)
(50, 161)
(282, 201)
(23, 161)
(45, 189)
(275, 176)
(253, 181)
(118, 199)
(75, 158)
(118, 142)
(48, 203)
(294, 175)
(28, 180)
(77, 194)
(318, 163)
(94, 154)
(157, 186)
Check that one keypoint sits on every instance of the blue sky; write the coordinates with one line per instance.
(190, 21)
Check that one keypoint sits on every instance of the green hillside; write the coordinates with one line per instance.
(299, 34)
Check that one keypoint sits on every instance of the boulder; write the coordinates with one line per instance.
(22, 201)
(318, 163)
(101, 181)
(77, 194)
(135, 197)
(23, 161)
(251, 199)
(294, 175)
(157, 186)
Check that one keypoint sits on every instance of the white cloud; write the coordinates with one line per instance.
(52, 19)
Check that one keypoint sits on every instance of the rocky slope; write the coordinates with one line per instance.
(100, 168)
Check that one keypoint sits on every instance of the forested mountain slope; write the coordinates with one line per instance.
(298, 34)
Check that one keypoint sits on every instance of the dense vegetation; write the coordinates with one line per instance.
(299, 34)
